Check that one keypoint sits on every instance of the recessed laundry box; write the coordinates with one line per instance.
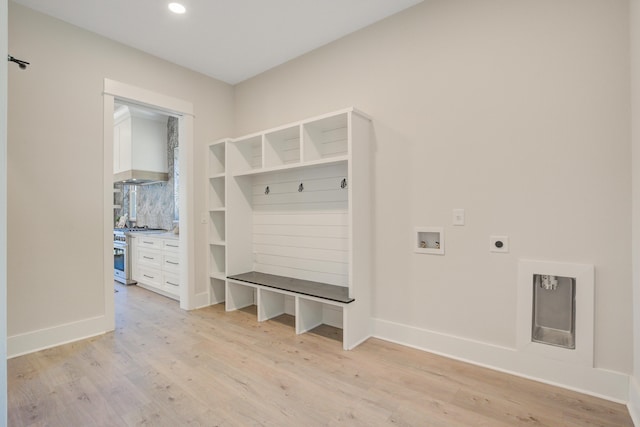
(556, 310)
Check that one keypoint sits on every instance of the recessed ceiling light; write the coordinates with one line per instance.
(177, 8)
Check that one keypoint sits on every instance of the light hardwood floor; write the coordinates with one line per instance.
(166, 367)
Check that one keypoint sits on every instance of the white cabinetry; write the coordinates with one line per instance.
(216, 202)
(292, 205)
(156, 265)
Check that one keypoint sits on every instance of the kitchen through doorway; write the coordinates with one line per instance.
(117, 94)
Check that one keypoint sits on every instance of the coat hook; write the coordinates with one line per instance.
(343, 184)
(266, 190)
(300, 188)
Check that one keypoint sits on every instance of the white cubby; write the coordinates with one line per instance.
(217, 228)
(216, 193)
(245, 154)
(270, 304)
(326, 137)
(321, 234)
(216, 159)
(428, 240)
(282, 147)
(217, 262)
(217, 233)
(239, 296)
(216, 290)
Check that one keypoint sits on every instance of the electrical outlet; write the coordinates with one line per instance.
(499, 244)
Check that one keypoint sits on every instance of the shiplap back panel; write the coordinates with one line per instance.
(302, 234)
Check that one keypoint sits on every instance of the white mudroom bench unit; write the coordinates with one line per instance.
(290, 223)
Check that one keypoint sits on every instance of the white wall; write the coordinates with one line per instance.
(3, 214)
(634, 388)
(55, 159)
(518, 112)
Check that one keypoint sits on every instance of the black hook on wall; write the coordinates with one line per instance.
(300, 188)
(22, 64)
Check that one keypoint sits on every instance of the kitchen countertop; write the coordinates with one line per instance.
(155, 234)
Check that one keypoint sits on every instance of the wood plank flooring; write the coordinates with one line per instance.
(166, 367)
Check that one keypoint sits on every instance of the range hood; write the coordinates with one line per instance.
(138, 177)
(139, 146)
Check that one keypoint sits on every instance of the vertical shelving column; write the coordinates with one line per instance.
(216, 200)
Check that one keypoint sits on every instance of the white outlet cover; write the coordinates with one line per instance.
(458, 217)
(495, 246)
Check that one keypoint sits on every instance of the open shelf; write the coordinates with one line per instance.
(246, 154)
(217, 158)
(282, 147)
(216, 193)
(325, 138)
(217, 231)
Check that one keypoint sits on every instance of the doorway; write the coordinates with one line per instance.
(183, 111)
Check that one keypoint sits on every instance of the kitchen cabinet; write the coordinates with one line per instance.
(156, 264)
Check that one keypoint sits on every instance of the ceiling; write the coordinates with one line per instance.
(230, 40)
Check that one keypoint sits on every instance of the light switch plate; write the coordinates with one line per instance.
(458, 217)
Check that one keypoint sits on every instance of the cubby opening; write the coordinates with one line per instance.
(216, 159)
(217, 261)
(239, 296)
(311, 314)
(247, 154)
(216, 193)
(325, 138)
(217, 233)
(282, 147)
(270, 304)
(216, 290)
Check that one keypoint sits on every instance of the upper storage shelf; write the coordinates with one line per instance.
(320, 140)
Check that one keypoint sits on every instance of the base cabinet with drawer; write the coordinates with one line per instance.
(156, 265)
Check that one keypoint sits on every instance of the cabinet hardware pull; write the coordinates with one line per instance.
(172, 246)
(171, 262)
(150, 277)
(148, 243)
(173, 284)
(147, 257)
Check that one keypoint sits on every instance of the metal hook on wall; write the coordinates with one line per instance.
(343, 183)
(300, 188)
(266, 190)
(22, 64)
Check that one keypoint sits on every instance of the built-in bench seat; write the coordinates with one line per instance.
(311, 303)
(303, 287)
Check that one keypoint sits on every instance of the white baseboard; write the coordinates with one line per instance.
(633, 405)
(608, 385)
(30, 342)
